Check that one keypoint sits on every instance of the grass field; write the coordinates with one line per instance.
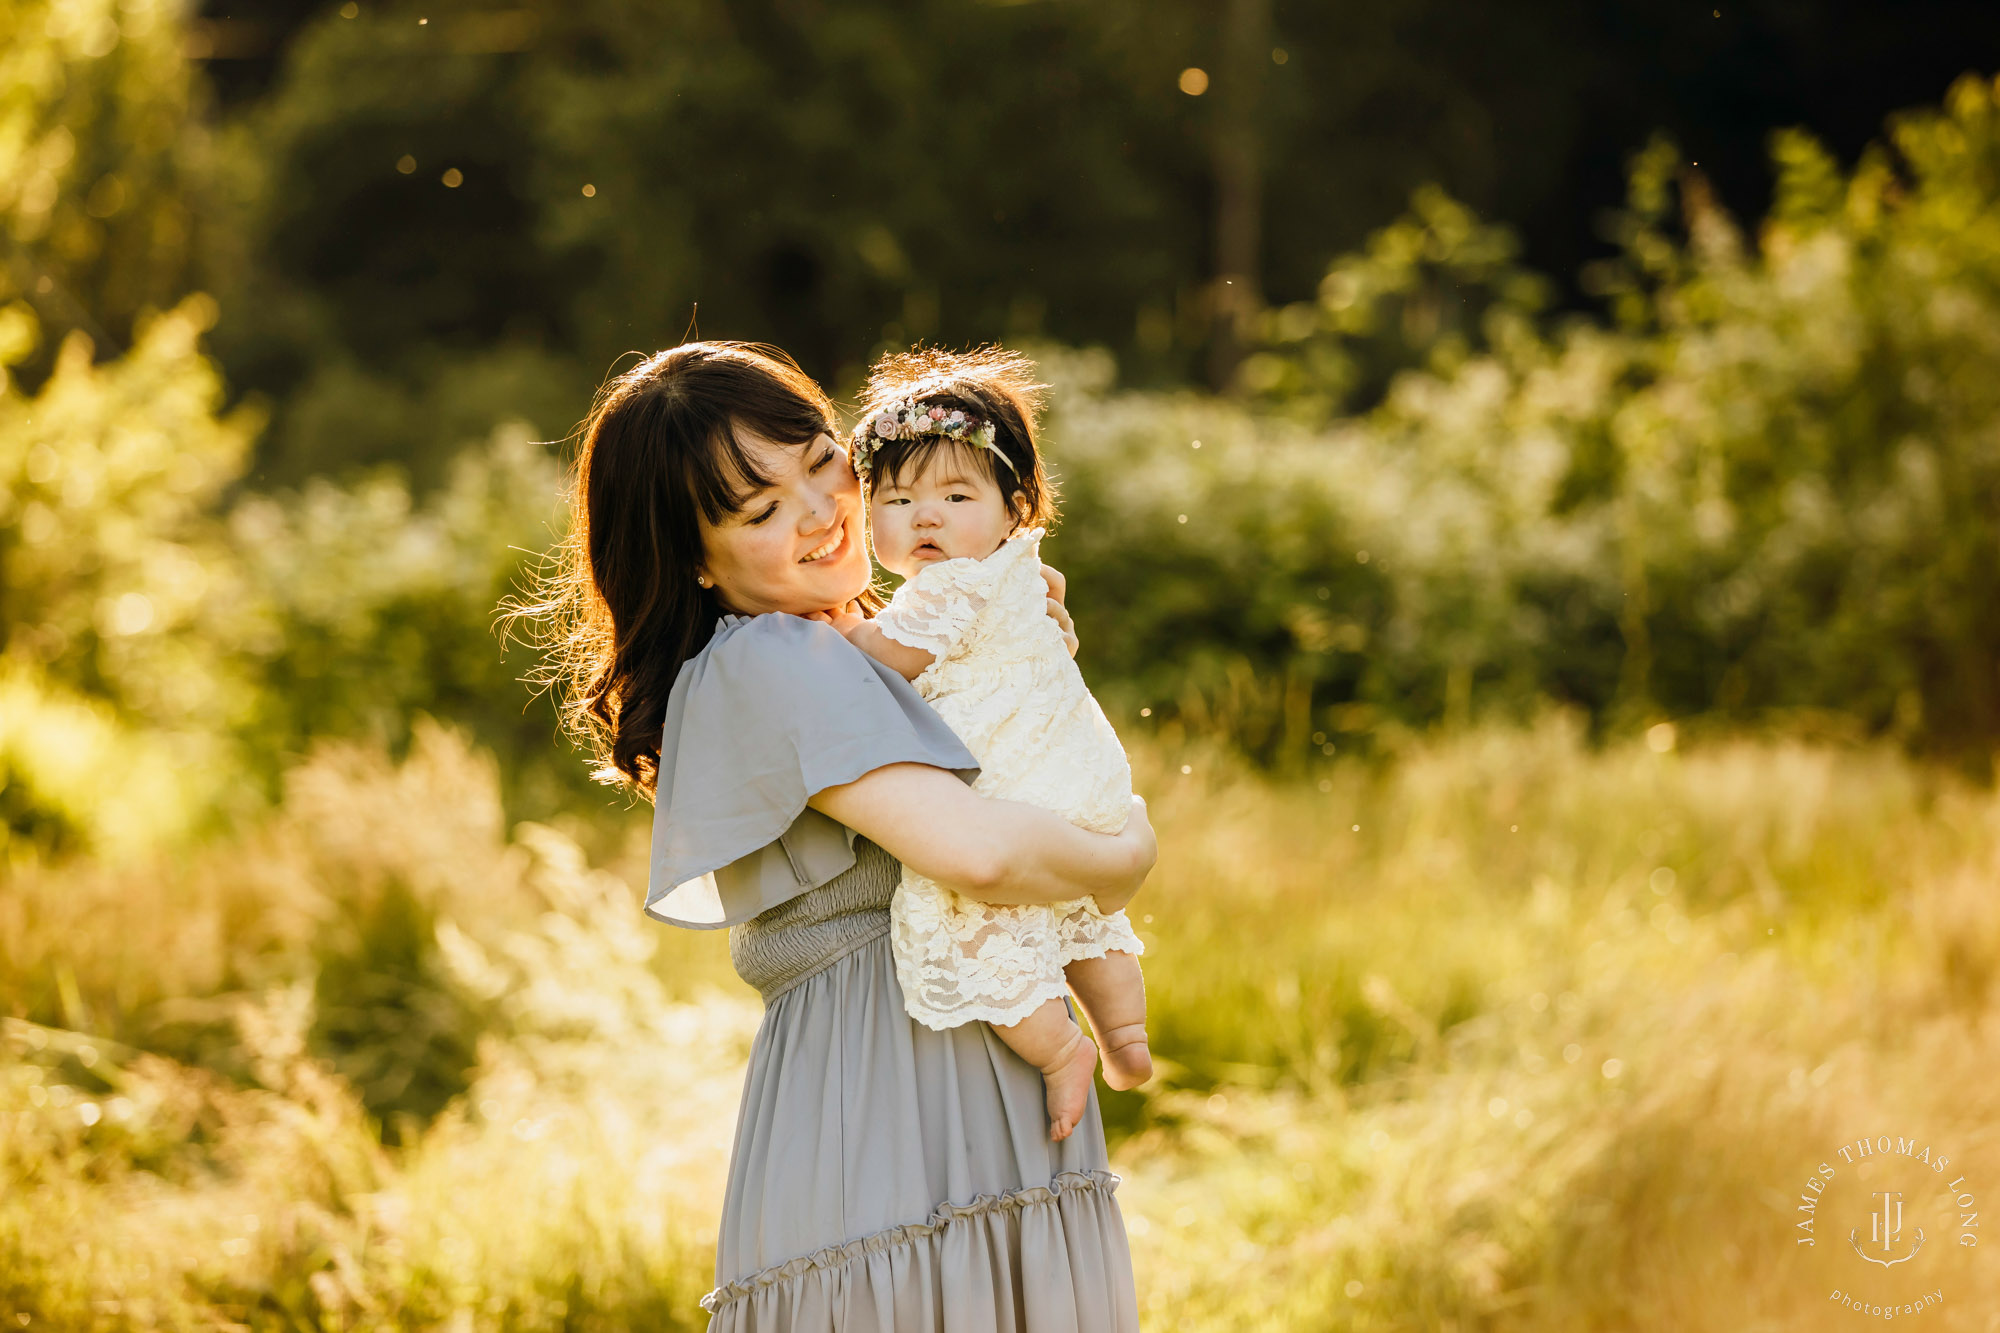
(1502, 1031)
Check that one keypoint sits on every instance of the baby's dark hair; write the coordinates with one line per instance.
(989, 382)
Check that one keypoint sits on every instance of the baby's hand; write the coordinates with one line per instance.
(846, 618)
(865, 634)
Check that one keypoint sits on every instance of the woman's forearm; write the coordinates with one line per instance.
(992, 851)
(1044, 858)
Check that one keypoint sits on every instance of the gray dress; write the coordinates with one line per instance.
(885, 1176)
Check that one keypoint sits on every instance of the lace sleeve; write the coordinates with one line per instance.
(939, 608)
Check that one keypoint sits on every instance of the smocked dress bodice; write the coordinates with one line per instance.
(781, 947)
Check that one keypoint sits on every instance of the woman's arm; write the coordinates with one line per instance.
(990, 850)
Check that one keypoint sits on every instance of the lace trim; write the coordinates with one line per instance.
(835, 1256)
(1086, 949)
(943, 1020)
(934, 642)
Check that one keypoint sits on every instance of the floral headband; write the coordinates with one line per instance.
(908, 420)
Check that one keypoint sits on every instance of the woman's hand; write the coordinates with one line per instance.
(1057, 611)
(1144, 849)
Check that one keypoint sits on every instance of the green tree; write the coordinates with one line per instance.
(101, 163)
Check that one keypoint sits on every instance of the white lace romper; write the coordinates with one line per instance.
(1003, 680)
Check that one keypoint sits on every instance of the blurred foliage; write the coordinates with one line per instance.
(200, 1057)
(1430, 289)
(262, 918)
(837, 179)
(109, 557)
(1481, 1033)
(1769, 489)
(170, 643)
(1521, 1032)
(102, 163)
(166, 651)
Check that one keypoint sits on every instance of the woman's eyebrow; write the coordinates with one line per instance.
(743, 501)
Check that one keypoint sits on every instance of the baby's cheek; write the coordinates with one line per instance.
(889, 535)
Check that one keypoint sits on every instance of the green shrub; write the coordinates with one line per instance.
(1768, 489)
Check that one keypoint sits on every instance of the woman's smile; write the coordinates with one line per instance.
(834, 545)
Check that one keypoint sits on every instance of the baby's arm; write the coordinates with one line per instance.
(898, 657)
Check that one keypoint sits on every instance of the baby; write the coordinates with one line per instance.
(957, 501)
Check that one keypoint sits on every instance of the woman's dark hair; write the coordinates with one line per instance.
(616, 609)
(988, 382)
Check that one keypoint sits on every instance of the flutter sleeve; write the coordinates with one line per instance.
(773, 711)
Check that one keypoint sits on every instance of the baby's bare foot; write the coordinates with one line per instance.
(1127, 1061)
(1067, 1083)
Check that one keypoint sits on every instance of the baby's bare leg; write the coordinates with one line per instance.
(1112, 991)
(1052, 1043)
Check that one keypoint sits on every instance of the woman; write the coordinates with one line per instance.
(884, 1176)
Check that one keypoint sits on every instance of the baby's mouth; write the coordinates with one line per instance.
(927, 547)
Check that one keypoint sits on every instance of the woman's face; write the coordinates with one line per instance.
(797, 545)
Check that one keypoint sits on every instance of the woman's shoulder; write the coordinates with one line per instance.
(772, 656)
(773, 710)
(770, 641)
(795, 691)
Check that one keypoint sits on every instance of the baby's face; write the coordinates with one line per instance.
(947, 507)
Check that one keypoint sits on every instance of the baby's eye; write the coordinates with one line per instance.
(958, 497)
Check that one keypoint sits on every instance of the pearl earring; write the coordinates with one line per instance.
(702, 579)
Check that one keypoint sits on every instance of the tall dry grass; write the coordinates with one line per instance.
(565, 1181)
(1554, 1037)
(1550, 1040)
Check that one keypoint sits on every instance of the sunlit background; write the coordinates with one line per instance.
(1531, 478)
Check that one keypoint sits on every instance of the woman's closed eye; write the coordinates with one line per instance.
(820, 462)
(762, 514)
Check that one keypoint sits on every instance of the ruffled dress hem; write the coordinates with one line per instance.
(930, 1244)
